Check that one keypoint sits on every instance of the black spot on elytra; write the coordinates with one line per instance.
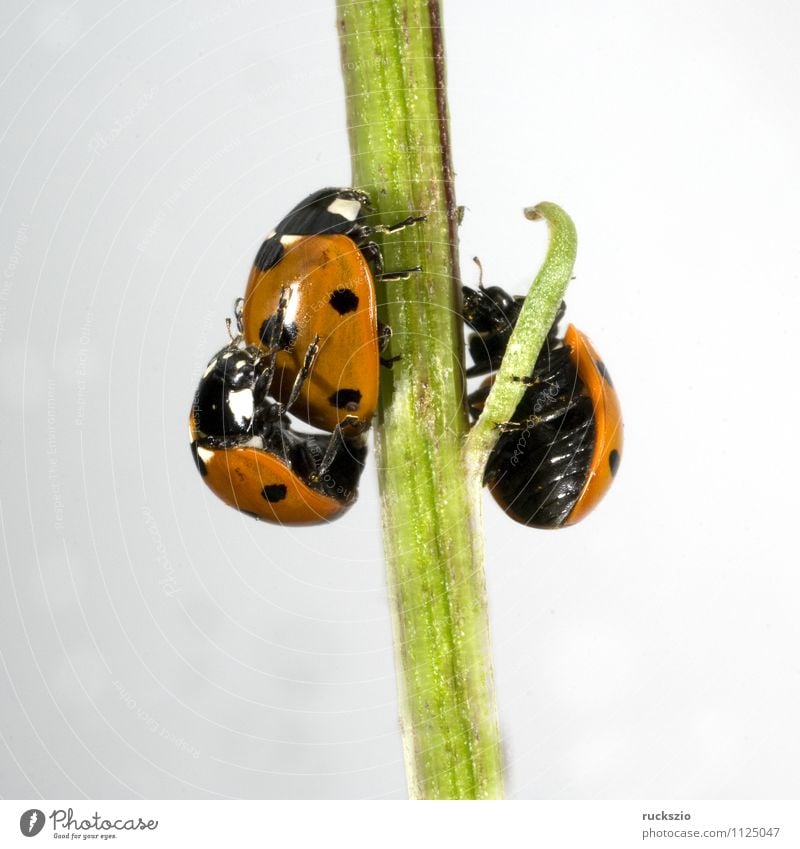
(613, 461)
(198, 460)
(601, 367)
(287, 337)
(269, 254)
(348, 399)
(344, 301)
(274, 492)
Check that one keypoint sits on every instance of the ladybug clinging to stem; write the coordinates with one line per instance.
(322, 254)
(554, 462)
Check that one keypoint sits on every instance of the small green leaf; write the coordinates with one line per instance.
(534, 323)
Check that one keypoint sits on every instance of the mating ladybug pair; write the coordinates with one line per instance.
(309, 343)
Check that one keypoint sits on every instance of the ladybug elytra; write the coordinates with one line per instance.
(321, 253)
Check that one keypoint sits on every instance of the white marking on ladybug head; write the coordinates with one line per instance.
(241, 405)
(346, 207)
(210, 367)
(288, 241)
(255, 442)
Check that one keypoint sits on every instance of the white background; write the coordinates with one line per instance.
(158, 644)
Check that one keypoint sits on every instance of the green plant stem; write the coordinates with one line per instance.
(393, 65)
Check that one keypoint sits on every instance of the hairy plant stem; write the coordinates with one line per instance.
(393, 65)
(431, 470)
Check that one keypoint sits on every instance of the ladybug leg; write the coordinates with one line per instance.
(384, 336)
(372, 254)
(404, 274)
(363, 232)
(362, 235)
(533, 380)
(510, 427)
(271, 335)
(272, 331)
(399, 225)
(266, 371)
(335, 444)
(302, 375)
(266, 364)
(534, 420)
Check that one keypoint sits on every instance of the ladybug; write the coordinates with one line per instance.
(250, 456)
(321, 253)
(554, 463)
(492, 313)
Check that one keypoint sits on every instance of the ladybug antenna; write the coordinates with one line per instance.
(480, 271)
(228, 328)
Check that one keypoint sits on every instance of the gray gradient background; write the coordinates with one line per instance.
(158, 644)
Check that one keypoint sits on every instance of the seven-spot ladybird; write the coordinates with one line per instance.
(250, 456)
(551, 465)
(309, 336)
(322, 255)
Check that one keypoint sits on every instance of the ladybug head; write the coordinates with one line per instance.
(490, 310)
(227, 400)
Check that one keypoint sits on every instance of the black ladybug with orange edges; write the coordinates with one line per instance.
(321, 253)
(556, 460)
(250, 456)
